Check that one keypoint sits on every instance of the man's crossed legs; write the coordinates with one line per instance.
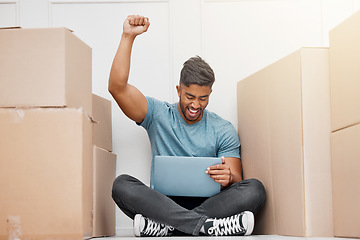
(229, 212)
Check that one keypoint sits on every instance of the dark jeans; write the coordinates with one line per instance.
(133, 197)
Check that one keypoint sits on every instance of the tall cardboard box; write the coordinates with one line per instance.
(345, 164)
(104, 206)
(284, 129)
(345, 121)
(103, 122)
(44, 67)
(46, 172)
(344, 56)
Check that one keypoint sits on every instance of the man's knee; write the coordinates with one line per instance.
(121, 186)
(258, 192)
(257, 186)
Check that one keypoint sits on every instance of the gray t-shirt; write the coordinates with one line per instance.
(171, 135)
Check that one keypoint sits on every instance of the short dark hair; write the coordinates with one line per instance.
(197, 71)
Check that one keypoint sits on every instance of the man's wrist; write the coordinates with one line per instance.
(128, 36)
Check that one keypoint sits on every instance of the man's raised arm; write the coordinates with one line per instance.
(131, 101)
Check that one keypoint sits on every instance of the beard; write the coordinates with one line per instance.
(186, 113)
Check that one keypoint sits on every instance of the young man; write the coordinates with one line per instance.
(182, 129)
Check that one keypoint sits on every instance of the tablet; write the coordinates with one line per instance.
(184, 176)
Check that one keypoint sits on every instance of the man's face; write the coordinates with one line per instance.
(192, 101)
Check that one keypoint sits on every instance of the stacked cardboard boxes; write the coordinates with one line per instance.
(104, 168)
(284, 128)
(345, 125)
(46, 168)
(299, 124)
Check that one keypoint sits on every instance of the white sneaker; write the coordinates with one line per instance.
(145, 227)
(241, 224)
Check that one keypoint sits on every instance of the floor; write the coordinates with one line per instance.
(255, 237)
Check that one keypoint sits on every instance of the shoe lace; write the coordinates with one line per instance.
(156, 229)
(227, 226)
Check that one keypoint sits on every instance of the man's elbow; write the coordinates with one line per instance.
(117, 83)
(116, 89)
(113, 87)
(113, 83)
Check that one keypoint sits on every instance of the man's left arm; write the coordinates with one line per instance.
(227, 173)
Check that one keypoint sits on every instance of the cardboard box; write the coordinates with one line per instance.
(345, 176)
(46, 172)
(104, 206)
(345, 73)
(284, 129)
(103, 122)
(44, 67)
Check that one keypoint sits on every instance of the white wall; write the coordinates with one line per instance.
(236, 37)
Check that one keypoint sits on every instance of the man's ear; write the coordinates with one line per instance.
(178, 90)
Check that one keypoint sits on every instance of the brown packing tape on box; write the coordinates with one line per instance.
(46, 173)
